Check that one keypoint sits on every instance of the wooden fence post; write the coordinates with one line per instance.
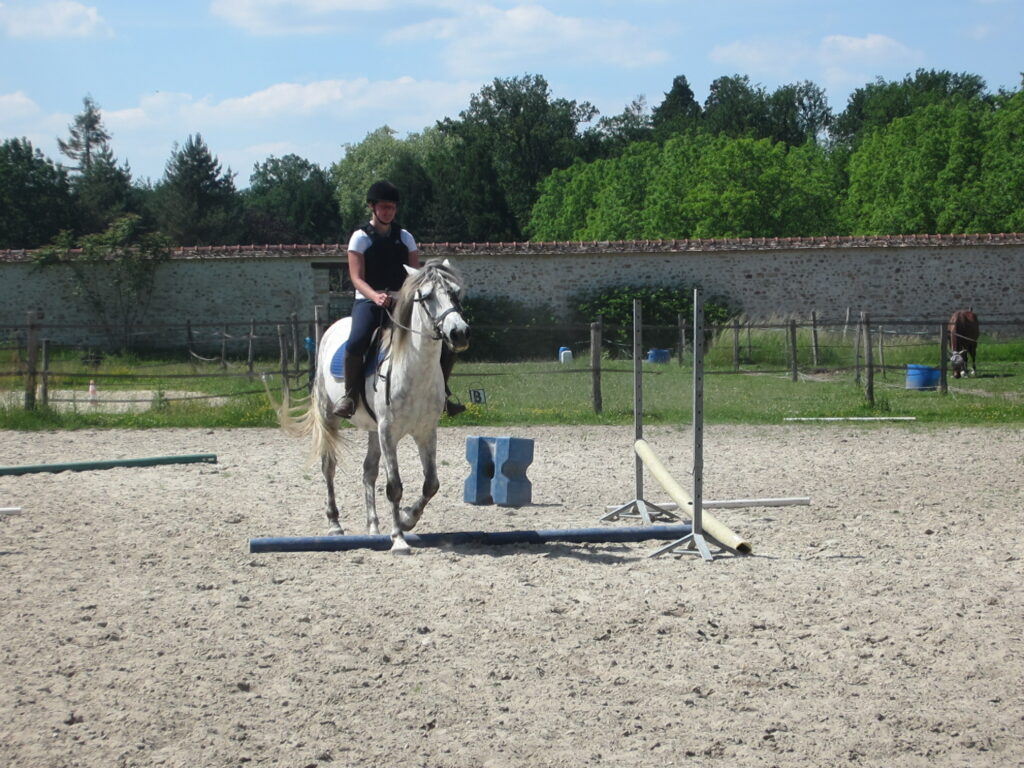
(283, 344)
(252, 340)
(856, 354)
(32, 358)
(681, 319)
(735, 345)
(317, 326)
(943, 358)
(869, 358)
(595, 365)
(295, 342)
(814, 338)
(792, 351)
(881, 350)
(44, 388)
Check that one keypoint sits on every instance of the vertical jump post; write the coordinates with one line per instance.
(638, 507)
(696, 540)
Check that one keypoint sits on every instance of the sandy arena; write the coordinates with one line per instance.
(881, 626)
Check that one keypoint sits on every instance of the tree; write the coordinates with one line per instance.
(679, 112)
(196, 202)
(619, 203)
(290, 200)
(516, 131)
(383, 156)
(103, 192)
(879, 103)
(736, 108)
(87, 136)
(35, 197)
(113, 272)
(798, 113)
(920, 174)
(1002, 172)
(614, 134)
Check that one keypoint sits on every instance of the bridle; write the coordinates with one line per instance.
(435, 320)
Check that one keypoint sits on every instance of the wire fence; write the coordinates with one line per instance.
(213, 362)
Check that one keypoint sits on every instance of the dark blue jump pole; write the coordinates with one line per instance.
(383, 542)
(84, 466)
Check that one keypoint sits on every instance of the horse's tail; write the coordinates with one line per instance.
(308, 418)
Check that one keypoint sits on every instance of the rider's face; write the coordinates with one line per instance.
(385, 212)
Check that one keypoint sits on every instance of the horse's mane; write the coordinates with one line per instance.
(402, 314)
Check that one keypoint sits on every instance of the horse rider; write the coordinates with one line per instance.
(377, 252)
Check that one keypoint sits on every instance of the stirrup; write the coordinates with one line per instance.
(346, 408)
(453, 409)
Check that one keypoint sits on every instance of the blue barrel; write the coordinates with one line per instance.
(658, 355)
(922, 376)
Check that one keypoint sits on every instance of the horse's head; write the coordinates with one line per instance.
(437, 290)
(957, 362)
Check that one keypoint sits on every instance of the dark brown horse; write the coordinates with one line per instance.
(963, 341)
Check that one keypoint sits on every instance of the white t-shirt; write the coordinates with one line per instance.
(360, 241)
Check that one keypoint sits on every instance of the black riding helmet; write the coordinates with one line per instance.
(382, 191)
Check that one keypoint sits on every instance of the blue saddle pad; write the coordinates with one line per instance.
(338, 362)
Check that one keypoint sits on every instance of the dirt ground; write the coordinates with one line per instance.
(881, 626)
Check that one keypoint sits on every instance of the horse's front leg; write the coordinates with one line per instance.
(389, 450)
(328, 465)
(428, 459)
(371, 466)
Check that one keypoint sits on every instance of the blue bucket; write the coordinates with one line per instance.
(922, 376)
(658, 355)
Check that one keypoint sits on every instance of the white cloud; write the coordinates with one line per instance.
(63, 18)
(852, 61)
(349, 100)
(481, 39)
(779, 58)
(837, 62)
(292, 17)
(17, 107)
(477, 38)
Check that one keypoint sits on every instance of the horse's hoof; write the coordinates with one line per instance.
(336, 530)
(400, 550)
(407, 521)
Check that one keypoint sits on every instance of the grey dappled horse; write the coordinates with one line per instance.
(405, 393)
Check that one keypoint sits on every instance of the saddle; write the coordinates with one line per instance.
(375, 355)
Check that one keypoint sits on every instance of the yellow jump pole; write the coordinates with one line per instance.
(712, 527)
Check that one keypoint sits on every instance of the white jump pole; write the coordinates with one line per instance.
(782, 501)
(712, 528)
(10, 510)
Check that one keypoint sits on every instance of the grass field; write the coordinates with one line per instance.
(749, 382)
(547, 392)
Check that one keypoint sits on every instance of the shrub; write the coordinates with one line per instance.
(660, 308)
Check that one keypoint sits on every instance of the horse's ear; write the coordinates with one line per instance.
(411, 270)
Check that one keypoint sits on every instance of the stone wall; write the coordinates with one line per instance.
(893, 278)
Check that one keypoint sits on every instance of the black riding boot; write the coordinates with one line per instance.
(447, 363)
(353, 386)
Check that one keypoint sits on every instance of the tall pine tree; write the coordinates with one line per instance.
(196, 201)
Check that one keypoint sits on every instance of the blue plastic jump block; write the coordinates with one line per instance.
(498, 471)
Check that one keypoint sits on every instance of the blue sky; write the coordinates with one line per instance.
(272, 77)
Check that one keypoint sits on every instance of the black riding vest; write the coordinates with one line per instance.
(385, 257)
